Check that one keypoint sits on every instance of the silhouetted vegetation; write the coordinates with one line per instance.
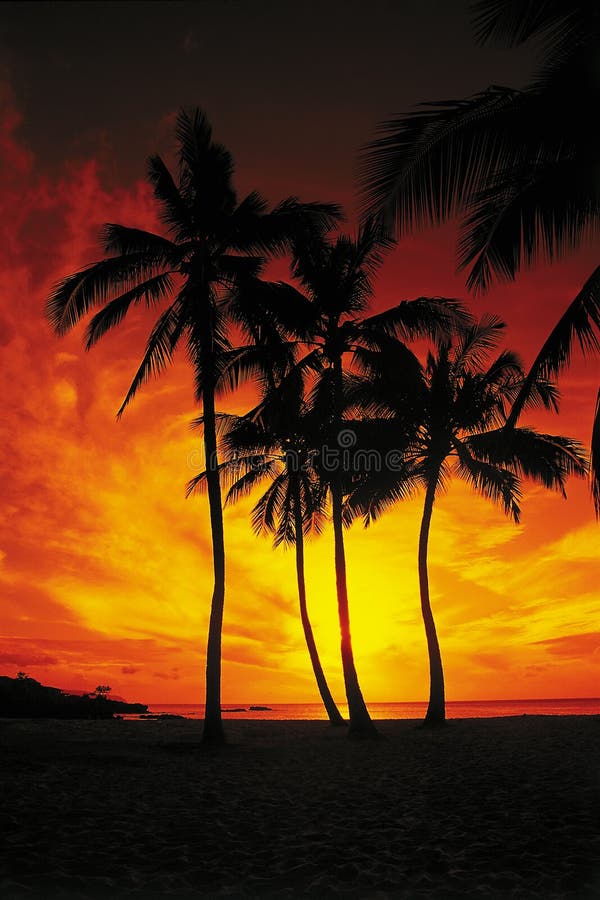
(519, 168)
(458, 412)
(24, 697)
(208, 270)
(274, 442)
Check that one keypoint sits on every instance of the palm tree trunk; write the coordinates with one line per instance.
(212, 732)
(361, 724)
(335, 717)
(436, 710)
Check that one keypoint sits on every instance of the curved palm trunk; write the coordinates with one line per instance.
(212, 732)
(213, 726)
(361, 724)
(335, 717)
(436, 711)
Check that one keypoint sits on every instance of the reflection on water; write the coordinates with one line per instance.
(459, 709)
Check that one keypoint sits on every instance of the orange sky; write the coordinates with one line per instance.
(104, 566)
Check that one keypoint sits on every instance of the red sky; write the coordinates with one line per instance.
(104, 566)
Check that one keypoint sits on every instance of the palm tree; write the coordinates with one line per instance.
(207, 269)
(463, 413)
(337, 279)
(272, 442)
(518, 167)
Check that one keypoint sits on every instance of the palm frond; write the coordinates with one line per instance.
(174, 211)
(545, 458)
(240, 364)
(236, 270)
(205, 171)
(257, 470)
(541, 393)
(285, 530)
(276, 232)
(313, 498)
(224, 423)
(475, 343)
(426, 163)
(194, 136)
(310, 257)
(372, 496)
(372, 244)
(491, 481)
(506, 376)
(595, 459)
(297, 218)
(320, 400)
(123, 241)
(198, 484)
(393, 381)
(248, 436)
(152, 291)
(161, 345)
(269, 508)
(408, 320)
(204, 348)
(542, 209)
(274, 303)
(512, 22)
(581, 323)
(74, 296)
(268, 314)
(505, 368)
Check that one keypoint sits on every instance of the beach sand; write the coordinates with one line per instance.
(502, 808)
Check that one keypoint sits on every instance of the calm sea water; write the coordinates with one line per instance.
(459, 709)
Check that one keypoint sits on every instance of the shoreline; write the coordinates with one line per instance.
(501, 808)
(458, 709)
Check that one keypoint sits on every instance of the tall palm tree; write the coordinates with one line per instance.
(206, 268)
(464, 405)
(336, 281)
(518, 167)
(272, 442)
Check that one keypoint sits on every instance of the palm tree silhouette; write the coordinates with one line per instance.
(273, 442)
(337, 279)
(519, 167)
(461, 433)
(208, 269)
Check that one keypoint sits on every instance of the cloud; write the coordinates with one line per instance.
(166, 676)
(497, 662)
(27, 659)
(574, 646)
(7, 331)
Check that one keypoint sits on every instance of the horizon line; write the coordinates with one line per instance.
(373, 702)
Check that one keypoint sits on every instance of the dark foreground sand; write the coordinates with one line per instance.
(483, 808)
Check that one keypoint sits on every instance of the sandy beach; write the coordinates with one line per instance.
(502, 808)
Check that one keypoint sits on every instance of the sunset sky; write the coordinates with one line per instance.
(105, 570)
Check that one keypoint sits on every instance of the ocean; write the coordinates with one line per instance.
(455, 709)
